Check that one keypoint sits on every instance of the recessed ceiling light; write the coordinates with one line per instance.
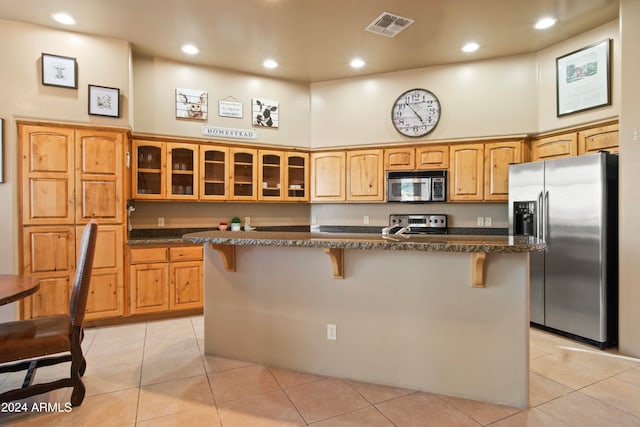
(357, 63)
(470, 47)
(270, 63)
(545, 23)
(63, 18)
(190, 49)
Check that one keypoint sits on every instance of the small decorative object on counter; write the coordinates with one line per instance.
(235, 224)
(223, 226)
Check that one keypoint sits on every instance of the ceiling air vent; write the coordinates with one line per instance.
(389, 24)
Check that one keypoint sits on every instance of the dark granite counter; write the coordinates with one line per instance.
(443, 243)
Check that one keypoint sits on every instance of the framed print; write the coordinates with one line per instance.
(191, 104)
(265, 112)
(59, 71)
(104, 101)
(583, 79)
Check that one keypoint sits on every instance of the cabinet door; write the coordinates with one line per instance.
(553, 147)
(328, 176)
(604, 138)
(297, 176)
(182, 170)
(365, 175)
(99, 176)
(243, 176)
(467, 172)
(106, 289)
(149, 288)
(271, 175)
(497, 157)
(214, 172)
(403, 158)
(186, 285)
(148, 172)
(432, 157)
(49, 254)
(47, 181)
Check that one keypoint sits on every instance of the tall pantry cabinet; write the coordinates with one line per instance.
(69, 176)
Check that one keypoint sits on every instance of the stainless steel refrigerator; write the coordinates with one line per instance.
(571, 204)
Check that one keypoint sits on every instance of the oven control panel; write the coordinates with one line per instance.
(419, 222)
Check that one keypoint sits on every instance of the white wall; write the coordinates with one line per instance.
(155, 82)
(629, 189)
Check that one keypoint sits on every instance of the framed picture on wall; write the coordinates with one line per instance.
(59, 71)
(265, 112)
(583, 79)
(104, 101)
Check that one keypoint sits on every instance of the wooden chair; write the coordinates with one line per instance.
(40, 338)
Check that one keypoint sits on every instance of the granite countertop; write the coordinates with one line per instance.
(443, 243)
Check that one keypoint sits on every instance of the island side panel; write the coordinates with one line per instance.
(404, 318)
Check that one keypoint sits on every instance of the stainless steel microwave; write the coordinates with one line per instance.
(417, 186)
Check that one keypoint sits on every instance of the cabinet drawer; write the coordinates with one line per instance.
(147, 255)
(185, 253)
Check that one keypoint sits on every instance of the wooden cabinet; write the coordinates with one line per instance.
(47, 174)
(400, 158)
(296, 176)
(243, 173)
(271, 175)
(497, 157)
(69, 176)
(165, 278)
(602, 138)
(365, 175)
(422, 157)
(466, 174)
(182, 169)
(328, 176)
(106, 291)
(554, 147)
(48, 253)
(149, 169)
(480, 171)
(432, 157)
(214, 172)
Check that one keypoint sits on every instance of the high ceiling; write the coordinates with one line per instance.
(314, 40)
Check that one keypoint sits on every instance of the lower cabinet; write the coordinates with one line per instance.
(165, 278)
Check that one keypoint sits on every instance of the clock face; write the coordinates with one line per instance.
(415, 113)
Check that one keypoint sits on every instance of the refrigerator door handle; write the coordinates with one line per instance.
(545, 217)
(540, 220)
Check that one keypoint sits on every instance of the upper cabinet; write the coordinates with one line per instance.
(603, 138)
(296, 176)
(182, 166)
(480, 171)
(328, 176)
(214, 172)
(244, 168)
(576, 142)
(423, 157)
(149, 169)
(365, 175)
(271, 175)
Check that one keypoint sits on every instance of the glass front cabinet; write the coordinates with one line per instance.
(214, 172)
(182, 163)
(149, 169)
(270, 175)
(243, 173)
(297, 176)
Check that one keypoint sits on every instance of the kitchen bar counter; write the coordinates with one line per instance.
(404, 312)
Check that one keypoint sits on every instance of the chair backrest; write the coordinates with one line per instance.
(80, 291)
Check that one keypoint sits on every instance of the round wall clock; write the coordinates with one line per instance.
(415, 113)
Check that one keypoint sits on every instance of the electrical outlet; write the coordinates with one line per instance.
(314, 220)
(366, 220)
(247, 220)
(488, 221)
(480, 221)
(331, 332)
(160, 221)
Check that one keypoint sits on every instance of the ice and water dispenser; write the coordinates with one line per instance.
(524, 219)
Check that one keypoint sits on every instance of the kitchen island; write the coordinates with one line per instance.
(443, 314)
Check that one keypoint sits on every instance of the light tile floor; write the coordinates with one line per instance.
(155, 374)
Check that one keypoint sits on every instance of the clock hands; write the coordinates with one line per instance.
(414, 112)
